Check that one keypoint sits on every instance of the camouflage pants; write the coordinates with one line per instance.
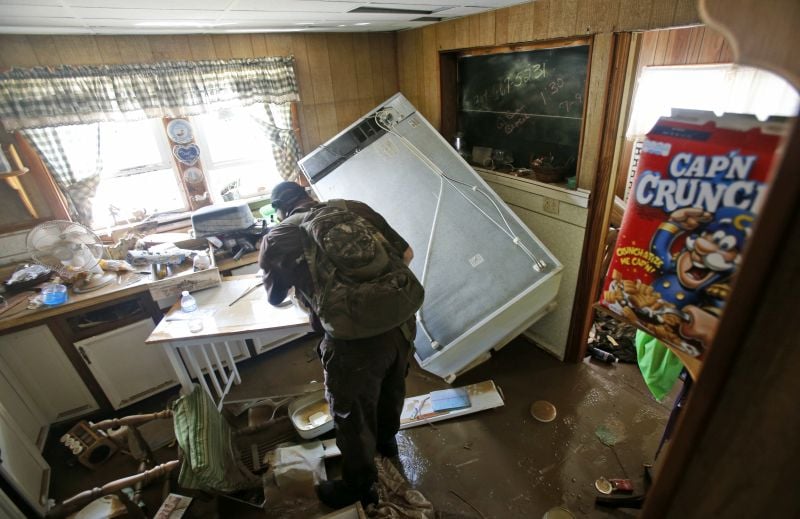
(365, 387)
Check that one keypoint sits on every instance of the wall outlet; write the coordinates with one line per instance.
(551, 205)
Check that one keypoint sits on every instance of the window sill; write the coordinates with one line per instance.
(178, 221)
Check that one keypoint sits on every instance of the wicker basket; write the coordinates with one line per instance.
(549, 174)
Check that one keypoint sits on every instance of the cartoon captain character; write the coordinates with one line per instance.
(697, 278)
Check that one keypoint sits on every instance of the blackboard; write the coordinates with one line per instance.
(528, 103)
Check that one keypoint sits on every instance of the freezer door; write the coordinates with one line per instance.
(486, 276)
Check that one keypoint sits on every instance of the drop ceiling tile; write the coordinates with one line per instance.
(30, 2)
(461, 11)
(41, 21)
(146, 24)
(294, 6)
(90, 13)
(33, 11)
(314, 16)
(207, 5)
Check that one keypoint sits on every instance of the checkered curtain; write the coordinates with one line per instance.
(277, 126)
(46, 97)
(39, 99)
(72, 155)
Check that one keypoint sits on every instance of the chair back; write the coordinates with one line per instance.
(206, 439)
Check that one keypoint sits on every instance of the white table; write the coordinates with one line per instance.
(208, 350)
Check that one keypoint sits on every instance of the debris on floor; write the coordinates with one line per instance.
(610, 432)
(558, 512)
(613, 337)
(173, 507)
(419, 410)
(543, 411)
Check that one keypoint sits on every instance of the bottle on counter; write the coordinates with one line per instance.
(188, 303)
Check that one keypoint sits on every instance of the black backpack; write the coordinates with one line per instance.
(362, 288)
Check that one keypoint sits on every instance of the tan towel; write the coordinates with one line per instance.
(396, 497)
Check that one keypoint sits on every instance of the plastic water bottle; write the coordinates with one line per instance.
(188, 303)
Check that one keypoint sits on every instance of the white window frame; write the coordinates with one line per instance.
(202, 141)
(167, 162)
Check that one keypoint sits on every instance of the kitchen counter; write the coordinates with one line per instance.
(127, 284)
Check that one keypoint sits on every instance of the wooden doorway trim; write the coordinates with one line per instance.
(601, 200)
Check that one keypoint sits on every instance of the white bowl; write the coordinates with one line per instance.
(310, 415)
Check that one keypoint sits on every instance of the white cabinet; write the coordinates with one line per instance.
(32, 423)
(558, 216)
(127, 369)
(21, 465)
(8, 509)
(38, 370)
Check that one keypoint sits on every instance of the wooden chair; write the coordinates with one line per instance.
(212, 454)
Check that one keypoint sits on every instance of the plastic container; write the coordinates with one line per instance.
(310, 415)
(188, 303)
(54, 294)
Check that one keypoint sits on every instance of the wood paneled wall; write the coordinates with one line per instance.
(341, 75)
(686, 46)
(418, 49)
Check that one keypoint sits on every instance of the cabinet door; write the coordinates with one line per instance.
(41, 371)
(127, 369)
(30, 420)
(21, 465)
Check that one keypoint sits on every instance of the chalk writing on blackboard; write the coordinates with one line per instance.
(510, 122)
(528, 102)
(510, 82)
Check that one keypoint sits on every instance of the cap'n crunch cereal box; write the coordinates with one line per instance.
(699, 185)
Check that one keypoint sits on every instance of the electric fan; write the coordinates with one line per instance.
(68, 248)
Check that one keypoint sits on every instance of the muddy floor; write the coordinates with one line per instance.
(500, 463)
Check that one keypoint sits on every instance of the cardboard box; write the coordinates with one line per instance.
(700, 183)
(189, 280)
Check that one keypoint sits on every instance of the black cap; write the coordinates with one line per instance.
(286, 193)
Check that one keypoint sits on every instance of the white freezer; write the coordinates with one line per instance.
(486, 276)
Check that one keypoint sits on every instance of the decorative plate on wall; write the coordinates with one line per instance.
(180, 131)
(193, 175)
(186, 153)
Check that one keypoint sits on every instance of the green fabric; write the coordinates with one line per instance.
(659, 366)
(210, 460)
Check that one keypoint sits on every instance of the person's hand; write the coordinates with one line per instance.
(690, 218)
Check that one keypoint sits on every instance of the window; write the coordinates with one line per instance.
(722, 89)
(719, 88)
(137, 179)
(236, 152)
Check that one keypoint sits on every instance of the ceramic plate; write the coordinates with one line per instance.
(180, 131)
(186, 153)
(193, 175)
